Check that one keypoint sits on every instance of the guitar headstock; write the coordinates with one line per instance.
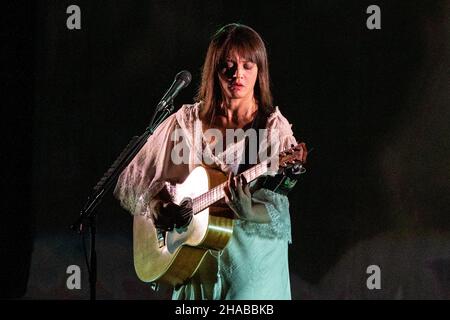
(291, 159)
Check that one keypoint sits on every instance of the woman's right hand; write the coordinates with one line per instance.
(168, 215)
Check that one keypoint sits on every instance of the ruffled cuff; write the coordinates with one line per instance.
(277, 207)
(137, 203)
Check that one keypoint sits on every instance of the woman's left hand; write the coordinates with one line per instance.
(238, 196)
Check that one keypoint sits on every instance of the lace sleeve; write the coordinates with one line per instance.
(277, 207)
(149, 171)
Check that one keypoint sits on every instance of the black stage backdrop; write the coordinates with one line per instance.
(373, 104)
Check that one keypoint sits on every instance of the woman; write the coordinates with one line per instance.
(234, 94)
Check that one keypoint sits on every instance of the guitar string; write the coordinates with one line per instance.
(217, 192)
(211, 196)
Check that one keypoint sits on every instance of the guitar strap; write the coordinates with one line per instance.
(258, 123)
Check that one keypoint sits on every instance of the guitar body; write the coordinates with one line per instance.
(176, 259)
(179, 258)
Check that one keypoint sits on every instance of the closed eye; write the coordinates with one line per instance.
(249, 65)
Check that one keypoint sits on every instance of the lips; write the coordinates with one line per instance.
(235, 86)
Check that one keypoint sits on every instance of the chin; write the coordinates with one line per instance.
(238, 95)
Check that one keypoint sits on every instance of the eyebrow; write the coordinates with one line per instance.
(244, 60)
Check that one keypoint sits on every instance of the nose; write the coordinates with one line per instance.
(239, 72)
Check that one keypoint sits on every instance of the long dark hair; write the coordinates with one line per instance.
(248, 44)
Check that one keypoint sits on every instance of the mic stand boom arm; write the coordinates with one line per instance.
(87, 214)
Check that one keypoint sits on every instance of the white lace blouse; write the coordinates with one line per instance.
(254, 265)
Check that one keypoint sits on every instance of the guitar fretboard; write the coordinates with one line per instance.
(203, 201)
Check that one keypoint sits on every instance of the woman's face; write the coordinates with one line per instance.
(237, 77)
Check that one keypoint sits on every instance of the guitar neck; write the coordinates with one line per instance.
(203, 201)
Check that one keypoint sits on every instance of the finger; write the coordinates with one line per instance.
(239, 188)
(242, 185)
(243, 181)
(229, 182)
(303, 152)
(232, 186)
(232, 180)
(227, 199)
(226, 190)
(246, 186)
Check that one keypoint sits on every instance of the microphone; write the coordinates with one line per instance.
(182, 80)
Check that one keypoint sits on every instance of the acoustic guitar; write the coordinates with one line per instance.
(173, 257)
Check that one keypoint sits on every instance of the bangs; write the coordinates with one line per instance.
(245, 45)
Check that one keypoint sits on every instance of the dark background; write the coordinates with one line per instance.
(373, 104)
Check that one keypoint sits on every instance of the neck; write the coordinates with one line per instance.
(235, 109)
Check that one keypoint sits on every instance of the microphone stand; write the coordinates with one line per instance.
(87, 215)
